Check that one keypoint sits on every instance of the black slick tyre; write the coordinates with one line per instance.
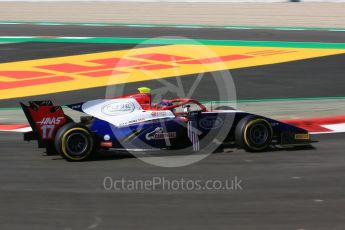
(253, 133)
(74, 142)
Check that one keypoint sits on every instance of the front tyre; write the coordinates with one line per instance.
(74, 142)
(253, 133)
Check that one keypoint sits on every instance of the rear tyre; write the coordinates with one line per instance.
(74, 142)
(50, 149)
(253, 133)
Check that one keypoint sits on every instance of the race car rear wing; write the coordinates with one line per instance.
(45, 119)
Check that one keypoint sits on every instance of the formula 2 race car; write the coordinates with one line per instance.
(132, 122)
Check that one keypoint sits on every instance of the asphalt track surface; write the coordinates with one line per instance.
(282, 189)
(151, 32)
(300, 189)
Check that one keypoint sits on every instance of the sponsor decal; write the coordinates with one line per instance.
(47, 126)
(274, 124)
(76, 106)
(117, 108)
(158, 113)
(106, 144)
(165, 135)
(132, 121)
(211, 122)
(50, 121)
(302, 136)
(159, 134)
(45, 103)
